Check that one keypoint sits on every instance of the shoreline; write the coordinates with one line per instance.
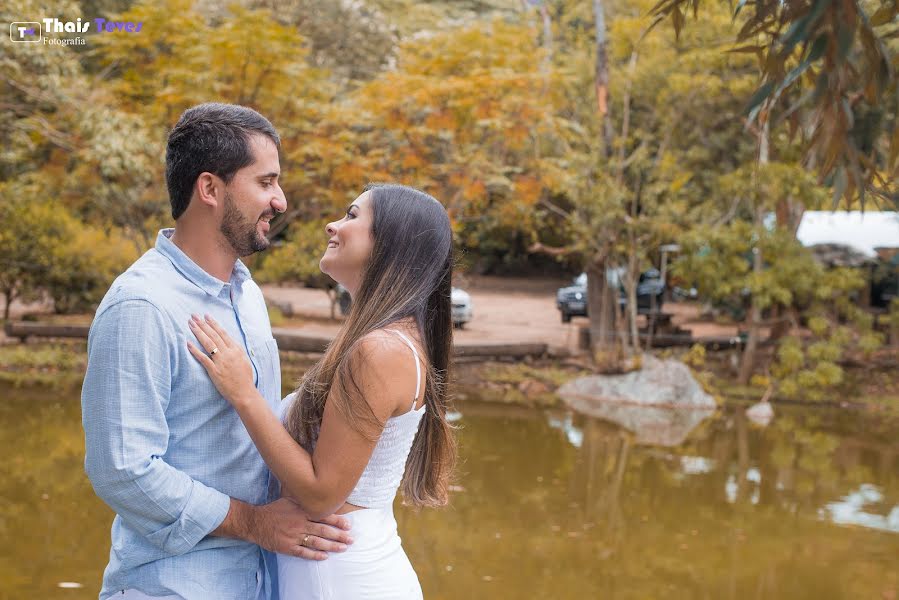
(530, 382)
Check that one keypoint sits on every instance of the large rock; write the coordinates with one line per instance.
(661, 403)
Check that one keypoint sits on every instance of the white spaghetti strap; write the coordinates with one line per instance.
(417, 364)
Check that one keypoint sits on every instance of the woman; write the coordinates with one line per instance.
(372, 412)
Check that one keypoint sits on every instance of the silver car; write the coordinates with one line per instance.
(462, 307)
(460, 299)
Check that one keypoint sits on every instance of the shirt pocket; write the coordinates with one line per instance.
(268, 370)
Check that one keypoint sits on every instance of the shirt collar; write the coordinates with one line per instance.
(193, 272)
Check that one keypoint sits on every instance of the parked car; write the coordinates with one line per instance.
(462, 307)
(460, 300)
(572, 300)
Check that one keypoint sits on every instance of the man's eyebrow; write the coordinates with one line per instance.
(271, 175)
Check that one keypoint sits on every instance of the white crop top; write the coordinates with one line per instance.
(384, 472)
(382, 475)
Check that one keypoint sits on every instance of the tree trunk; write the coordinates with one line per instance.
(747, 362)
(9, 298)
(789, 214)
(547, 36)
(603, 300)
(601, 310)
(334, 298)
(631, 334)
(622, 323)
(601, 76)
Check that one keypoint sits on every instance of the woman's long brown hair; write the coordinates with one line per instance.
(409, 274)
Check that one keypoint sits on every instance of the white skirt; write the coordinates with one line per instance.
(373, 567)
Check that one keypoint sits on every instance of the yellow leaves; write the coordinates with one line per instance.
(485, 108)
(463, 52)
(395, 119)
(696, 356)
(679, 182)
(411, 160)
(441, 119)
(455, 179)
(182, 57)
(474, 190)
(527, 190)
(348, 175)
(760, 380)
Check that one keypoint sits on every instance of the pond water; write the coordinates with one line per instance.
(549, 505)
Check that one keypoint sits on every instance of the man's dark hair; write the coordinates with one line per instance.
(212, 138)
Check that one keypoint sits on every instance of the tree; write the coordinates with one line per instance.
(354, 41)
(828, 70)
(29, 230)
(48, 253)
(296, 261)
(650, 152)
(37, 114)
(746, 264)
(84, 265)
(469, 116)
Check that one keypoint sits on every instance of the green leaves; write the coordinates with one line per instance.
(801, 26)
(47, 251)
(755, 102)
(849, 57)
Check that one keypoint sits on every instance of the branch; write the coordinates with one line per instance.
(555, 208)
(55, 136)
(540, 248)
(282, 223)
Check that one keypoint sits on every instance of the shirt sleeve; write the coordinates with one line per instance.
(131, 357)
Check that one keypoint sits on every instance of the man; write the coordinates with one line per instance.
(164, 449)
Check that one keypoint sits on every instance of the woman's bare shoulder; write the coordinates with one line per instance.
(383, 347)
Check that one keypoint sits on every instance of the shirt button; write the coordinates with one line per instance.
(252, 353)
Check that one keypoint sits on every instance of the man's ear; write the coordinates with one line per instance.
(209, 189)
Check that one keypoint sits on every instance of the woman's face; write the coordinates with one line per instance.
(350, 243)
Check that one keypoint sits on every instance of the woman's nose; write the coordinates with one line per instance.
(330, 229)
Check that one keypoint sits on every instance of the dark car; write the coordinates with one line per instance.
(572, 300)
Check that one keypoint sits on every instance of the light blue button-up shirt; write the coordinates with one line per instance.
(163, 448)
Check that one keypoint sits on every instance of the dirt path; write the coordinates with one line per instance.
(505, 310)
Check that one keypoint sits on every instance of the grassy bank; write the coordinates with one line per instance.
(57, 365)
(60, 365)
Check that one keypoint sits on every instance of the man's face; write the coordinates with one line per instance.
(252, 199)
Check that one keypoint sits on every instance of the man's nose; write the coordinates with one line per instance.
(279, 203)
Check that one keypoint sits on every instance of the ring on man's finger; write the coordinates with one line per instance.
(305, 539)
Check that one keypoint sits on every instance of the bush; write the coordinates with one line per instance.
(48, 252)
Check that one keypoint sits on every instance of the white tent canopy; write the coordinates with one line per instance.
(862, 231)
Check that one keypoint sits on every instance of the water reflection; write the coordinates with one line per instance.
(850, 510)
(550, 505)
(651, 425)
(564, 506)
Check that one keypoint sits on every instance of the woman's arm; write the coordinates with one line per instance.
(320, 483)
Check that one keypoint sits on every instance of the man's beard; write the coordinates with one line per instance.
(239, 232)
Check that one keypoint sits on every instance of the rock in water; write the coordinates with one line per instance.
(661, 403)
(760, 413)
(661, 383)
